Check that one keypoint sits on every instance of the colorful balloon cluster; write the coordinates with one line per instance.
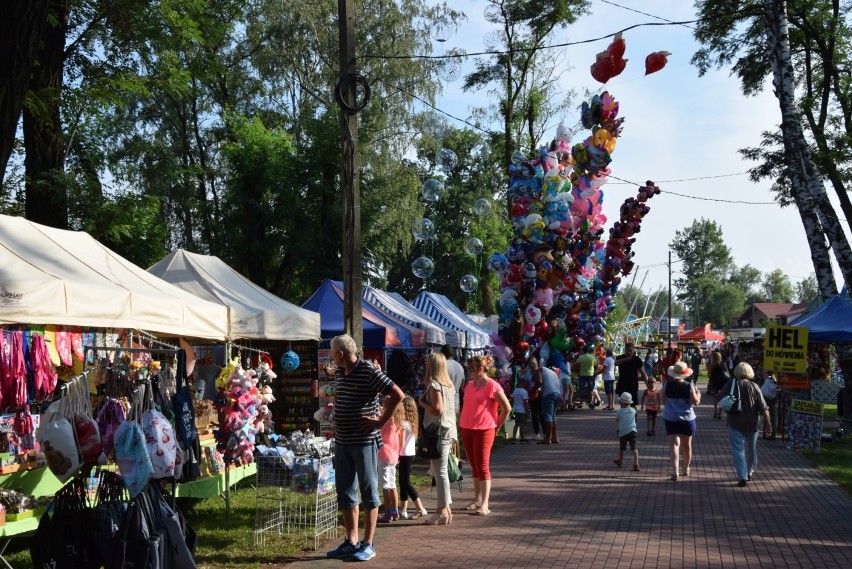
(557, 276)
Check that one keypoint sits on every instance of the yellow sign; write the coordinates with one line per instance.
(786, 349)
(807, 407)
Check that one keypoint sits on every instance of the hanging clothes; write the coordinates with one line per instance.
(15, 386)
(44, 372)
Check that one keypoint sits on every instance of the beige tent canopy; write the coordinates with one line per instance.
(254, 313)
(52, 276)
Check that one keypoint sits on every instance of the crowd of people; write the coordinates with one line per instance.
(376, 425)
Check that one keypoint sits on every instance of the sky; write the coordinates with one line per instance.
(682, 131)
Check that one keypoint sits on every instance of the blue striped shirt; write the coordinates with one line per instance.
(356, 396)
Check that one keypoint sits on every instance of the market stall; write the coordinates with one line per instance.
(439, 308)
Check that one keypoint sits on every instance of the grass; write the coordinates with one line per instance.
(835, 458)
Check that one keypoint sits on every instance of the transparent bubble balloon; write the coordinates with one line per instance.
(442, 29)
(498, 70)
(473, 246)
(433, 190)
(447, 160)
(482, 207)
(450, 69)
(423, 229)
(493, 40)
(518, 158)
(468, 283)
(422, 267)
(492, 13)
(434, 125)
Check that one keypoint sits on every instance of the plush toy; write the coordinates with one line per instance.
(266, 395)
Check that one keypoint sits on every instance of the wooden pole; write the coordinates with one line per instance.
(349, 180)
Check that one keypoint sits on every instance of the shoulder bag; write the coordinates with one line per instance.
(429, 441)
(731, 402)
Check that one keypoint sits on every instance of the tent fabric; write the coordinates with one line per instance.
(404, 312)
(439, 308)
(53, 276)
(452, 336)
(699, 334)
(253, 313)
(327, 300)
(410, 336)
(831, 323)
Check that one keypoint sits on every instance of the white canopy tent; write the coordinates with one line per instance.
(254, 313)
(53, 276)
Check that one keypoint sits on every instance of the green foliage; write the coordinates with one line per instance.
(705, 258)
(777, 287)
(807, 289)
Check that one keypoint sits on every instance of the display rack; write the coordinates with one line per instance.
(325, 392)
(296, 391)
(297, 497)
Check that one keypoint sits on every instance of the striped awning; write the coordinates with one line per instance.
(439, 308)
(404, 312)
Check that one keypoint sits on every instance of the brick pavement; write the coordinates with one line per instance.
(570, 506)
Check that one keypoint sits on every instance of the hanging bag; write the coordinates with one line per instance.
(110, 417)
(136, 545)
(159, 440)
(731, 402)
(182, 405)
(56, 438)
(131, 452)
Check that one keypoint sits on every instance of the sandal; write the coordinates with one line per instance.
(673, 478)
(481, 512)
(472, 507)
(418, 515)
(618, 463)
(635, 468)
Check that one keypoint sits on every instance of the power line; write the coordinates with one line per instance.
(643, 13)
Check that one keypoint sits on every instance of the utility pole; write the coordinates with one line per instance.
(670, 301)
(345, 93)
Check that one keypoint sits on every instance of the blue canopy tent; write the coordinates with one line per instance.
(831, 323)
(452, 336)
(328, 301)
(439, 308)
(410, 336)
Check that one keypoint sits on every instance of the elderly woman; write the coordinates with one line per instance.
(679, 396)
(485, 409)
(438, 402)
(742, 420)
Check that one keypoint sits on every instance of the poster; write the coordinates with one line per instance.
(786, 349)
(804, 426)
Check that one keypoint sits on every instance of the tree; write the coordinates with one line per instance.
(807, 290)
(777, 287)
(526, 83)
(747, 279)
(705, 258)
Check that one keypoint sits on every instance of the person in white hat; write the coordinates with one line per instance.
(626, 419)
(679, 396)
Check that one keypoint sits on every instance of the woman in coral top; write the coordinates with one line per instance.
(485, 409)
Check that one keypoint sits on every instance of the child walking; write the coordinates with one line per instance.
(388, 459)
(626, 418)
(410, 431)
(520, 407)
(651, 405)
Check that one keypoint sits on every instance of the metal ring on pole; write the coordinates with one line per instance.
(359, 80)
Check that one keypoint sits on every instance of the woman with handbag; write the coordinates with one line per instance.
(486, 408)
(438, 402)
(742, 424)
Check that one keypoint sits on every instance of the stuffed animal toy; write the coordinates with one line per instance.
(266, 395)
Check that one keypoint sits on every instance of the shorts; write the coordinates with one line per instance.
(681, 428)
(548, 406)
(387, 475)
(520, 418)
(356, 475)
(609, 387)
(651, 412)
(628, 439)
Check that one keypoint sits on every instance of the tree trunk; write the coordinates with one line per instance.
(20, 34)
(795, 147)
(806, 186)
(46, 195)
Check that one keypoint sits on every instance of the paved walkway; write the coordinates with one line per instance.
(570, 506)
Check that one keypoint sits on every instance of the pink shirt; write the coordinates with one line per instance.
(652, 400)
(389, 453)
(480, 406)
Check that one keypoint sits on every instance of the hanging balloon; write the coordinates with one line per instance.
(433, 190)
(468, 283)
(422, 267)
(518, 158)
(290, 360)
(449, 69)
(423, 229)
(473, 246)
(447, 160)
(482, 207)
(434, 125)
(442, 29)
(493, 13)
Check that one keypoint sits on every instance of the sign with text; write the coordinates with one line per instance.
(804, 427)
(786, 349)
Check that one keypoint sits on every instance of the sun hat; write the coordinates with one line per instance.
(743, 371)
(626, 398)
(679, 371)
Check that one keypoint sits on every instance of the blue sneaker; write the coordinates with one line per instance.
(346, 549)
(365, 552)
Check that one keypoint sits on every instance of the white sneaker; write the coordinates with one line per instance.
(403, 515)
(538, 436)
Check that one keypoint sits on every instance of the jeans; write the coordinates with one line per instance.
(442, 475)
(744, 452)
(548, 406)
(356, 468)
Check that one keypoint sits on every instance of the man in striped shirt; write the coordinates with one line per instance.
(357, 420)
